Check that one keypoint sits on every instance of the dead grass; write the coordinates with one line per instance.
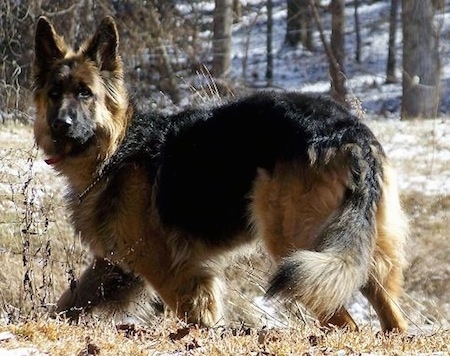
(173, 338)
(39, 254)
(37, 245)
(428, 276)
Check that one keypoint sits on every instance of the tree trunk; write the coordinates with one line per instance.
(223, 18)
(168, 82)
(421, 64)
(337, 73)
(269, 68)
(293, 27)
(237, 11)
(299, 24)
(307, 27)
(357, 33)
(390, 69)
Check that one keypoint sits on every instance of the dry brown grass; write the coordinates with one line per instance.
(37, 245)
(173, 338)
(39, 254)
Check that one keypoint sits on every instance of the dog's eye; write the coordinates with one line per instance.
(54, 93)
(84, 93)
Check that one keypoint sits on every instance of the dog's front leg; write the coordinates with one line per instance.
(101, 283)
(195, 294)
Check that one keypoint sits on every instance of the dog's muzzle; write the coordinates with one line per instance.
(71, 132)
(61, 125)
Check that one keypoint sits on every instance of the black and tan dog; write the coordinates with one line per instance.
(165, 197)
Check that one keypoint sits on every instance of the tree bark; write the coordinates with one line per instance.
(223, 19)
(421, 64)
(293, 27)
(357, 32)
(391, 61)
(299, 24)
(168, 82)
(337, 72)
(269, 68)
(337, 76)
(237, 11)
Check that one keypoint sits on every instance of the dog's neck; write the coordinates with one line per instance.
(99, 177)
(108, 164)
(132, 148)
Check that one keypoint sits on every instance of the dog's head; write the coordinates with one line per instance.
(79, 95)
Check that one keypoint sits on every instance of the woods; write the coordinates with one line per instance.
(169, 42)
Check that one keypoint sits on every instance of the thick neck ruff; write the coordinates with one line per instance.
(142, 143)
(91, 186)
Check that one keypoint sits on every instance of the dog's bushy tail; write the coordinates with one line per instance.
(325, 278)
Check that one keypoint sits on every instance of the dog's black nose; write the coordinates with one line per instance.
(62, 124)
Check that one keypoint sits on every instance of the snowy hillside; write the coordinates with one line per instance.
(299, 69)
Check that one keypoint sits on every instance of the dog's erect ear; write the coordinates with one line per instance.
(48, 45)
(103, 47)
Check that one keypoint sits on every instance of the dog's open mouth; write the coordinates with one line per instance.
(61, 148)
(67, 147)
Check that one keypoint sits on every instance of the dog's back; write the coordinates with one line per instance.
(210, 158)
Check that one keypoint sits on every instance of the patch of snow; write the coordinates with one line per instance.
(359, 309)
(6, 336)
(22, 351)
(268, 313)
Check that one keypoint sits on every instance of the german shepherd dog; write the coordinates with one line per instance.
(165, 197)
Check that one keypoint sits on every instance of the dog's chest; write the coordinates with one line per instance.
(113, 218)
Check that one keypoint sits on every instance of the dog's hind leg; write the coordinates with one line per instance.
(385, 284)
(384, 300)
(383, 291)
(342, 319)
(289, 211)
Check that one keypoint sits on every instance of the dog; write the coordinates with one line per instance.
(165, 197)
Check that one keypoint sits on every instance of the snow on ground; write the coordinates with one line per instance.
(270, 312)
(299, 69)
(420, 152)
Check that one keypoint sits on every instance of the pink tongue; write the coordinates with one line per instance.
(53, 160)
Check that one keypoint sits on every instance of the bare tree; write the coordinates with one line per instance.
(390, 69)
(269, 68)
(357, 32)
(338, 89)
(293, 26)
(223, 19)
(299, 24)
(237, 11)
(169, 82)
(421, 64)
(334, 50)
(153, 33)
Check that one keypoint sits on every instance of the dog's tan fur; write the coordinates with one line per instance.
(288, 209)
(295, 202)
